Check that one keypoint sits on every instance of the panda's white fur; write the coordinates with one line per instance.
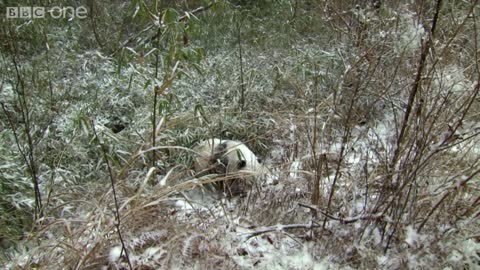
(228, 158)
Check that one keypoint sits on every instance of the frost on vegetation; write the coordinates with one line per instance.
(68, 123)
(6, 92)
(295, 169)
(99, 75)
(410, 35)
(471, 251)
(451, 79)
(298, 260)
(412, 237)
(95, 75)
(224, 65)
(263, 255)
(144, 250)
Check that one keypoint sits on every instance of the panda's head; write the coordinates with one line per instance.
(227, 158)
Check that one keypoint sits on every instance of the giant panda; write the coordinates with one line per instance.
(231, 159)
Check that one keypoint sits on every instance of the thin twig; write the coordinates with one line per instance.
(112, 182)
(415, 88)
(29, 153)
(242, 84)
(449, 191)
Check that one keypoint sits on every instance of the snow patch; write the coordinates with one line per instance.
(412, 238)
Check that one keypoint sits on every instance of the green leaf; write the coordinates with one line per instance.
(199, 111)
(170, 16)
(198, 68)
(147, 84)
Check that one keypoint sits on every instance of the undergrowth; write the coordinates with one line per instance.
(365, 114)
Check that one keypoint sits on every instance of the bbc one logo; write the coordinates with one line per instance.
(41, 12)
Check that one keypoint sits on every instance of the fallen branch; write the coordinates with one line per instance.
(345, 220)
(280, 227)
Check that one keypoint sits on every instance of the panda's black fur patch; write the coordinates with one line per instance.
(241, 164)
(219, 160)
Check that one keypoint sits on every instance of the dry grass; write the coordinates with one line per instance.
(366, 118)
